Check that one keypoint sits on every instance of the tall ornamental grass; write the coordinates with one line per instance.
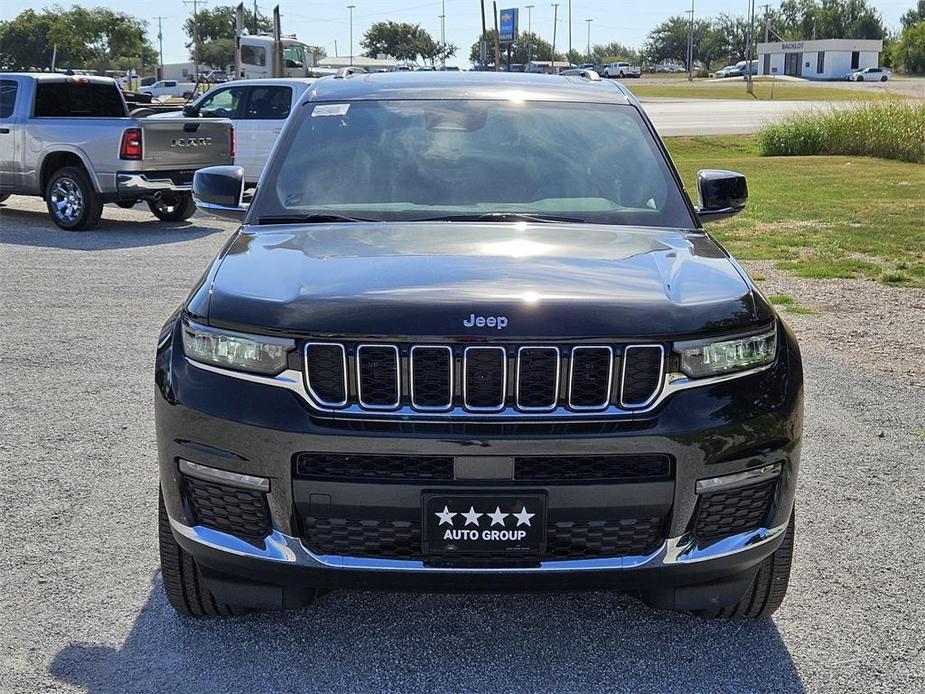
(891, 129)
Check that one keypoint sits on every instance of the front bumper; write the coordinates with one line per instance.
(258, 430)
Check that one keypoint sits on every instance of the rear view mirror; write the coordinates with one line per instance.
(219, 190)
(722, 194)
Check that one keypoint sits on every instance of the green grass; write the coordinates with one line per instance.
(735, 89)
(781, 299)
(820, 216)
(890, 129)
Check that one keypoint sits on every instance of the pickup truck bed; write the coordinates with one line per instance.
(52, 123)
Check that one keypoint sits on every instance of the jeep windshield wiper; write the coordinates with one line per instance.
(502, 217)
(309, 218)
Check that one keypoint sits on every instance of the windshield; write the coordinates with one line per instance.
(415, 160)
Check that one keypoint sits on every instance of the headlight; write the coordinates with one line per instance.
(257, 353)
(699, 359)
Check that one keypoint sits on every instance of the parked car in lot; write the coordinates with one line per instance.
(870, 74)
(69, 140)
(258, 109)
(401, 371)
(728, 71)
(170, 88)
(621, 70)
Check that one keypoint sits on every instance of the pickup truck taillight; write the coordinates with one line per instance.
(131, 144)
(233, 148)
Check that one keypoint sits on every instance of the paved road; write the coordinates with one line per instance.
(721, 116)
(81, 601)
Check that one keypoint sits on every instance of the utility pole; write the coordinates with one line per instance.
(690, 45)
(555, 21)
(589, 39)
(160, 43)
(195, 4)
(767, 23)
(350, 9)
(494, 9)
(256, 23)
(749, 86)
(443, 33)
(529, 33)
(569, 56)
(483, 41)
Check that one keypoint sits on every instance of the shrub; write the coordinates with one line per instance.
(891, 129)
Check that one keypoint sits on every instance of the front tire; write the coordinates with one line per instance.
(71, 200)
(883, 79)
(860, 79)
(186, 590)
(769, 587)
(174, 208)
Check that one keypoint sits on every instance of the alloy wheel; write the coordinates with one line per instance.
(67, 200)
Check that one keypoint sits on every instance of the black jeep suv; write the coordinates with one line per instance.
(472, 334)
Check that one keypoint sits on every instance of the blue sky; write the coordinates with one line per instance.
(323, 23)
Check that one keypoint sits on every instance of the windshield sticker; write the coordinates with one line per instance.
(330, 110)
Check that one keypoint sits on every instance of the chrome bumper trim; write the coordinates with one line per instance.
(286, 549)
(214, 474)
(140, 184)
(739, 479)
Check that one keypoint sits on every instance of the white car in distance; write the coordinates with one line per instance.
(869, 74)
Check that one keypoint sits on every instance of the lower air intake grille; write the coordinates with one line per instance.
(725, 513)
(600, 468)
(402, 539)
(321, 466)
(229, 509)
(642, 374)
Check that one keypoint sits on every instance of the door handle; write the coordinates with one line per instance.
(4, 131)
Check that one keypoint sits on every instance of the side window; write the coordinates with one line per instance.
(7, 97)
(254, 55)
(292, 57)
(223, 103)
(170, 84)
(269, 103)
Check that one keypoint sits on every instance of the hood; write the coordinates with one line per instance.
(487, 279)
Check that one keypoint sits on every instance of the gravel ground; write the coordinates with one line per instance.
(81, 602)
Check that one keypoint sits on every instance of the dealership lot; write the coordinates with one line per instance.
(81, 598)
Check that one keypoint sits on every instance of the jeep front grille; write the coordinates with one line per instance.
(479, 379)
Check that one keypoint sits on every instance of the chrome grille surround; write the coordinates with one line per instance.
(404, 357)
(308, 385)
(452, 368)
(658, 380)
(555, 390)
(359, 370)
(465, 379)
(571, 378)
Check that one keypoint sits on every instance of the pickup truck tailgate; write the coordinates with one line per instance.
(185, 143)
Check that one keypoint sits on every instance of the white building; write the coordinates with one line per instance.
(826, 59)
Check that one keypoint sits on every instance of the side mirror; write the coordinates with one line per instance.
(190, 111)
(722, 194)
(219, 190)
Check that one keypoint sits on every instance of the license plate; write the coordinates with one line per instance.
(484, 524)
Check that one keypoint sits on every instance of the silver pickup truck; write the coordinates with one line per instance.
(70, 140)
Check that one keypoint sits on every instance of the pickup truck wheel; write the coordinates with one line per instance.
(769, 588)
(186, 590)
(174, 208)
(71, 200)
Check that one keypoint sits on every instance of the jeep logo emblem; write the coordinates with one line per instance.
(499, 322)
(191, 142)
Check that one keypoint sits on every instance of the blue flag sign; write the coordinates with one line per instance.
(508, 25)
